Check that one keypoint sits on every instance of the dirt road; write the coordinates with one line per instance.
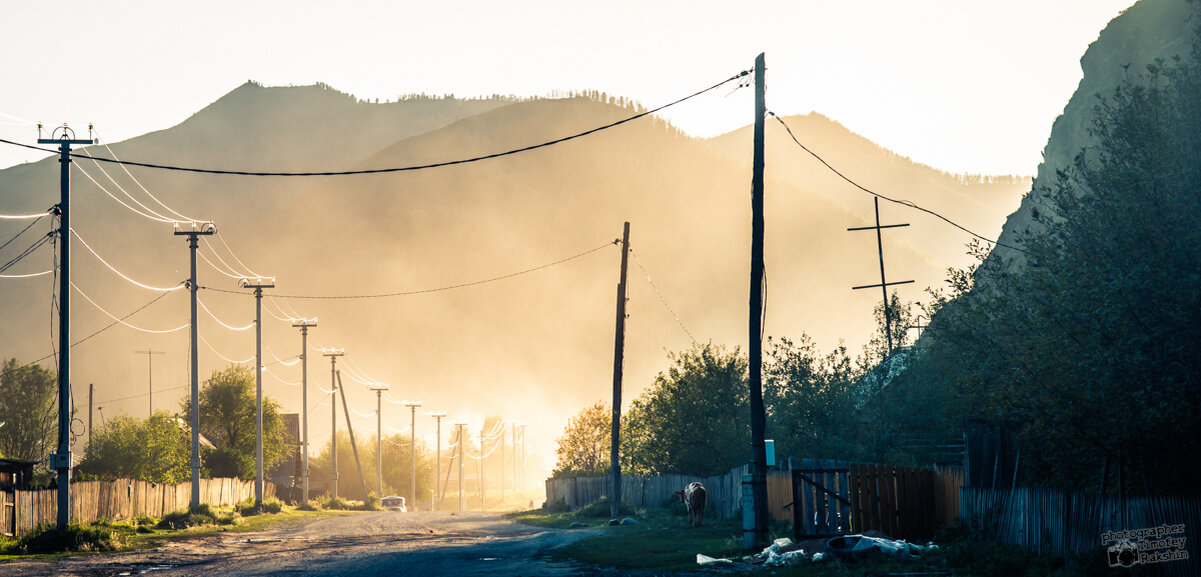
(422, 543)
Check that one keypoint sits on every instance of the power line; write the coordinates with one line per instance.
(433, 290)
(222, 323)
(119, 273)
(109, 326)
(111, 316)
(881, 196)
(23, 231)
(661, 299)
(401, 168)
(25, 216)
(139, 183)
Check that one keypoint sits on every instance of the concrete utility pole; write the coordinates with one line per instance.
(61, 461)
(412, 405)
(333, 411)
(483, 500)
(754, 528)
(522, 454)
(379, 436)
(258, 284)
(884, 284)
(91, 389)
(436, 499)
(516, 486)
(304, 325)
(618, 359)
(501, 440)
(462, 447)
(150, 374)
(198, 229)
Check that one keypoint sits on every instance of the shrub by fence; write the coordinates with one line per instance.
(1066, 524)
(118, 500)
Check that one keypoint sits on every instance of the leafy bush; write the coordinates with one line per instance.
(75, 537)
(601, 508)
(312, 505)
(247, 507)
(559, 506)
(201, 515)
(338, 503)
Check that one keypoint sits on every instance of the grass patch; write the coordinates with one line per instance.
(660, 541)
(247, 508)
(197, 517)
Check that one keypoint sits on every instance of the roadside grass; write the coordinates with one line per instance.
(144, 532)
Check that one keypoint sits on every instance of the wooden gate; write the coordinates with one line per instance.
(821, 504)
(8, 513)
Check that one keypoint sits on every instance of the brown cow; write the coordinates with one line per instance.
(694, 496)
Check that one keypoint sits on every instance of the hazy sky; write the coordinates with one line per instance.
(966, 86)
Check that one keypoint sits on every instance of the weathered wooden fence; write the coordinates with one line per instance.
(122, 499)
(903, 502)
(1064, 524)
(724, 491)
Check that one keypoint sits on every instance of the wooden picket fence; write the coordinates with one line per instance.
(118, 500)
(1066, 524)
(641, 491)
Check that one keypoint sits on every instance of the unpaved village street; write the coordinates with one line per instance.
(421, 543)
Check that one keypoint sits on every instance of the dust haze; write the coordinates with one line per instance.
(534, 348)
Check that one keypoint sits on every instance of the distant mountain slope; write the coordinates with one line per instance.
(980, 204)
(535, 347)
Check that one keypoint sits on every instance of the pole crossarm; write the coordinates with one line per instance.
(855, 288)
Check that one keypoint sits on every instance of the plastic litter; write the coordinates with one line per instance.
(628, 521)
(707, 560)
(863, 544)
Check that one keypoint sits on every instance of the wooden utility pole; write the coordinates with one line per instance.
(755, 535)
(884, 284)
(61, 460)
(619, 342)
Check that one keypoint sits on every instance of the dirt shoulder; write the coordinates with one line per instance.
(434, 543)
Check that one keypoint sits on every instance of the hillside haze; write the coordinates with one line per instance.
(535, 348)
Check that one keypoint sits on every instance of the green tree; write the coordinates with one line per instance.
(1090, 347)
(694, 419)
(154, 449)
(810, 409)
(585, 445)
(227, 418)
(28, 410)
(397, 466)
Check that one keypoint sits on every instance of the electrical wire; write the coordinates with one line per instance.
(139, 183)
(221, 322)
(109, 326)
(122, 321)
(49, 238)
(278, 361)
(881, 196)
(219, 269)
(228, 267)
(31, 275)
(119, 273)
(360, 415)
(22, 216)
(277, 377)
(675, 316)
(221, 356)
(433, 290)
(401, 168)
(148, 212)
(18, 235)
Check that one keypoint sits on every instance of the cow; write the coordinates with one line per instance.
(694, 496)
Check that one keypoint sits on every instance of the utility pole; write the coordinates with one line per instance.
(483, 499)
(61, 461)
(304, 325)
(91, 389)
(884, 284)
(258, 284)
(618, 359)
(198, 229)
(150, 373)
(754, 529)
(412, 405)
(459, 436)
(516, 487)
(918, 325)
(379, 436)
(436, 500)
(333, 411)
(354, 448)
(501, 440)
(523, 455)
